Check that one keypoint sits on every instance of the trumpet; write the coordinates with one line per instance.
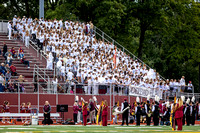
(116, 111)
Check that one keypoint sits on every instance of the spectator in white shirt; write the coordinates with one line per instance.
(54, 82)
(182, 83)
(190, 87)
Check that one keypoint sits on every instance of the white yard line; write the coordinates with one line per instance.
(138, 127)
(23, 128)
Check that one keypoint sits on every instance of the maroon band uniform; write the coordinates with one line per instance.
(85, 114)
(28, 109)
(6, 108)
(179, 116)
(22, 109)
(105, 115)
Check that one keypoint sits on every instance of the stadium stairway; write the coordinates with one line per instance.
(30, 54)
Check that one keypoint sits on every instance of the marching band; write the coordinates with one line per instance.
(178, 112)
(157, 112)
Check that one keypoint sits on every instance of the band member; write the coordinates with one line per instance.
(92, 111)
(125, 114)
(193, 106)
(28, 110)
(138, 111)
(148, 111)
(23, 110)
(84, 108)
(5, 109)
(187, 111)
(172, 115)
(115, 107)
(179, 113)
(47, 111)
(184, 106)
(105, 113)
(163, 110)
(155, 110)
(167, 113)
(75, 109)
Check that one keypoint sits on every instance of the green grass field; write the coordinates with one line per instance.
(93, 129)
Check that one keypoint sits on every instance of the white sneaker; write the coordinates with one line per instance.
(8, 122)
(26, 122)
(3, 122)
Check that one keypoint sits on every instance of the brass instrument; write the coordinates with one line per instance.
(150, 112)
(116, 111)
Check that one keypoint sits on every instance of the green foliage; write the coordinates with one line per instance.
(163, 33)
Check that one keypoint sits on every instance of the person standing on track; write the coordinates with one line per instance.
(47, 111)
(105, 113)
(84, 108)
(179, 114)
(125, 114)
(138, 111)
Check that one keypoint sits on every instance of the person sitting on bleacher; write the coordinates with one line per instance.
(6, 54)
(2, 69)
(13, 70)
(9, 60)
(24, 61)
(10, 86)
(2, 83)
(7, 67)
(14, 55)
(21, 53)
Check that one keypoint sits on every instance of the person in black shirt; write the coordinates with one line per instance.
(155, 110)
(5, 49)
(125, 114)
(187, 112)
(138, 112)
(148, 112)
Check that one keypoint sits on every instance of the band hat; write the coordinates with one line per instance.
(188, 101)
(183, 98)
(137, 99)
(76, 98)
(193, 99)
(148, 97)
(94, 98)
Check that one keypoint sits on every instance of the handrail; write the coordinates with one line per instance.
(103, 34)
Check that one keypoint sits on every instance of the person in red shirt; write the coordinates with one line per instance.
(5, 109)
(22, 110)
(179, 114)
(76, 109)
(28, 110)
(21, 53)
(84, 108)
(105, 113)
(13, 70)
(13, 52)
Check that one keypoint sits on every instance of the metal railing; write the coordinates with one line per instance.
(3, 26)
(41, 74)
(107, 38)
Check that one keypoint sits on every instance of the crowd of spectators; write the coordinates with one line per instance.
(79, 55)
(8, 69)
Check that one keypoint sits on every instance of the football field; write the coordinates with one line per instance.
(93, 129)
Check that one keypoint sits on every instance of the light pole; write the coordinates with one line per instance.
(41, 9)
